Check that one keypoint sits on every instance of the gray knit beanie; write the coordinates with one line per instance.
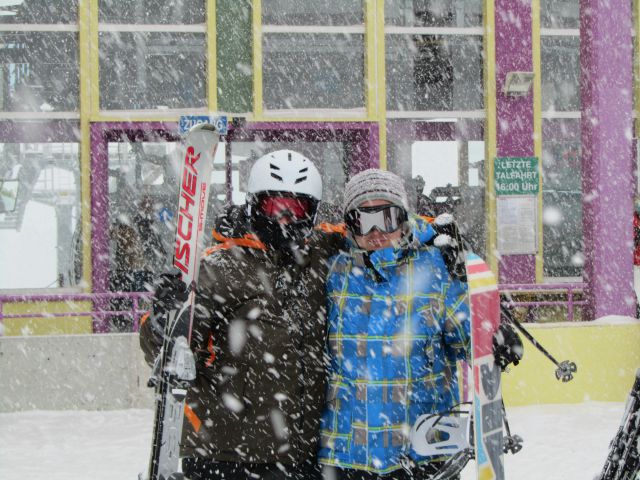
(374, 184)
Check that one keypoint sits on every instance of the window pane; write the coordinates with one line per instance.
(434, 72)
(39, 11)
(560, 73)
(41, 236)
(152, 70)
(39, 71)
(443, 171)
(327, 12)
(143, 194)
(234, 55)
(433, 13)
(166, 12)
(560, 13)
(313, 71)
(562, 199)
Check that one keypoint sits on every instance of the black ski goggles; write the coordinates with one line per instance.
(384, 218)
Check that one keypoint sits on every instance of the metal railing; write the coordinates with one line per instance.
(103, 303)
(539, 289)
(102, 307)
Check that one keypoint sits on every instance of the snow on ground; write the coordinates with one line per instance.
(561, 442)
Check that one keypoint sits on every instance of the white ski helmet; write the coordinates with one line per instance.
(285, 171)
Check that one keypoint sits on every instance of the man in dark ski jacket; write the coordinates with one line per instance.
(259, 332)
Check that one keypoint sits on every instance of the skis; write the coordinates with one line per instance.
(174, 369)
(623, 461)
(484, 300)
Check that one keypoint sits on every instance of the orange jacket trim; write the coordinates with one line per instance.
(144, 318)
(332, 228)
(192, 417)
(249, 240)
(212, 353)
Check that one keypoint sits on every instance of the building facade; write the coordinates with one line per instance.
(541, 177)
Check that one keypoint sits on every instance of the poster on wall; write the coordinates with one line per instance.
(516, 175)
(517, 224)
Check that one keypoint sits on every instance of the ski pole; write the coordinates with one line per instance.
(565, 369)
(512, 443)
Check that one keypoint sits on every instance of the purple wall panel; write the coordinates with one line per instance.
(607, 155)
(514, 132)
(99, 219)
(513, 53)
(522, 267)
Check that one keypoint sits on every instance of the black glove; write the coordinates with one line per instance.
(507, 346)
(169, 292)
(449, 241)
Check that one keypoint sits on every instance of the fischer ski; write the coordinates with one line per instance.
(488, 413)
(174, 369)
(623, 461)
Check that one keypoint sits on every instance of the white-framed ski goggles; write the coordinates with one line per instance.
(384, 218)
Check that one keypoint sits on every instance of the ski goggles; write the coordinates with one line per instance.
(276, 206)
(384, 218)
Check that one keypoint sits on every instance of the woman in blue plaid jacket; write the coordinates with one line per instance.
(397, 325)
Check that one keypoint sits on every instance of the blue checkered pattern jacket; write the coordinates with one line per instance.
(394, 337)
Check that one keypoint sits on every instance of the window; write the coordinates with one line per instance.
(561, 165)
(433, 57)
(39, 11)
(313, 55)
(442, 163)
(152, 70)
(327, 12)
(560, 13)
(41, 234)
(147, 67)
(39, 72)
(175, 12)
(39, 66)
(560, 57)
(434, 72)
(433, 13)
(562, 198)
(313, 70)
